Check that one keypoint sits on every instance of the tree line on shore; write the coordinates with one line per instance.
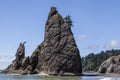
(93, 61)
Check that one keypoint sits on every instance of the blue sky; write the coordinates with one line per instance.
(96, 24)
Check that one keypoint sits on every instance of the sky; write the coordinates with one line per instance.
(96, 25)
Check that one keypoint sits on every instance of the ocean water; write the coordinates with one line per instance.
(38, 77)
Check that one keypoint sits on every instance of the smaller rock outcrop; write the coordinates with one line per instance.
(111, 65)
(20, 63)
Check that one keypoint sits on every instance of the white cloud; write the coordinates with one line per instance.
(5, 60)
(4, 65)
(93, 47)
(112, 44)
(82, 37)
(6, 57)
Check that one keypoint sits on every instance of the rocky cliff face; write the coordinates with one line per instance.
(56, 55)
(111, 65)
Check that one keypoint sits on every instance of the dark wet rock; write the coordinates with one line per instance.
(56, 55)
(25, 63)
(111, 65)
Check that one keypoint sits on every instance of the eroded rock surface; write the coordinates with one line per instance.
(111, 65)
(56, 55)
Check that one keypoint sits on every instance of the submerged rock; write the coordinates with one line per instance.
(56, 55)
(111, 65)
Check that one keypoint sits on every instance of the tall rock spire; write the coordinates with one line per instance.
(61, 53)
(57, 54)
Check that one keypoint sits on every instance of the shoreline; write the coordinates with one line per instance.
(83, 74)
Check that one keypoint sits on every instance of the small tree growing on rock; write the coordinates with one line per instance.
(68, 20)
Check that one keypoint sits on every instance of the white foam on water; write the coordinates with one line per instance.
(108, 79)
(15, 74)
(43, 74)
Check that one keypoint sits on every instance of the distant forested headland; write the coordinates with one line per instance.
(92, 61)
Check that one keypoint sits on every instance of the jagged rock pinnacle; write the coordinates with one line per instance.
(56, 55)
(52, 11)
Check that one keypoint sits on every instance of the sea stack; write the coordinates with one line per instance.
(56, 55)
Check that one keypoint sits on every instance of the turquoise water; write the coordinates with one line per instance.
(38, 77)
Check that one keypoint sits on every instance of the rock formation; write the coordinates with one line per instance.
(20, 64)
(56, 55)
(111, 65)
